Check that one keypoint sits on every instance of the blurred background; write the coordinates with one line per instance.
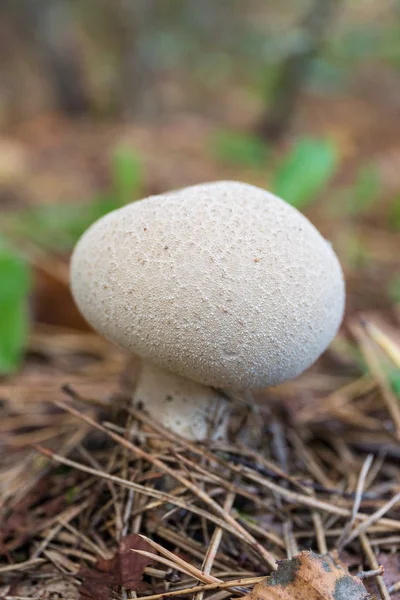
(105, 102)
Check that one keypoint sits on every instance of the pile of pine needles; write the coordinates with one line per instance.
(313, 464)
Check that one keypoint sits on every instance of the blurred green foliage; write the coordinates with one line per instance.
(357, 255)
(365, 191)
(240, 149)
(55, 227)
(394, 379)
(127, 176)
(362, 194)
(15, 282)
(305, 171)
(58, 227)
(135, 45)
(394, 289)
(380, 40)
(394, 216)
(333, 68)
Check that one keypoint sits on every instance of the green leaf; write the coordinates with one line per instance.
(126, 171)
(14, 278)
(240, 149)
(13, 274)
(394, 378)
(305, 171)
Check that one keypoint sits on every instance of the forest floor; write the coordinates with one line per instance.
(82, 474)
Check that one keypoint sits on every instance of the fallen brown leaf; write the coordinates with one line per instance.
(124, 569)
(309, 576)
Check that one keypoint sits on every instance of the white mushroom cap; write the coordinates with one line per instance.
(222, 283)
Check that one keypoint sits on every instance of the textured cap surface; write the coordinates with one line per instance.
(222, 283)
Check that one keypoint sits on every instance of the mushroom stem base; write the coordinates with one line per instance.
(194, 411)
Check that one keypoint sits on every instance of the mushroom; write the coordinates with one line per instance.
(219, 286)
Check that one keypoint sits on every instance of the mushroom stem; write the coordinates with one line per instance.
(192, 410)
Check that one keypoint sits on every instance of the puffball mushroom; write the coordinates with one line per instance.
(215, 286)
